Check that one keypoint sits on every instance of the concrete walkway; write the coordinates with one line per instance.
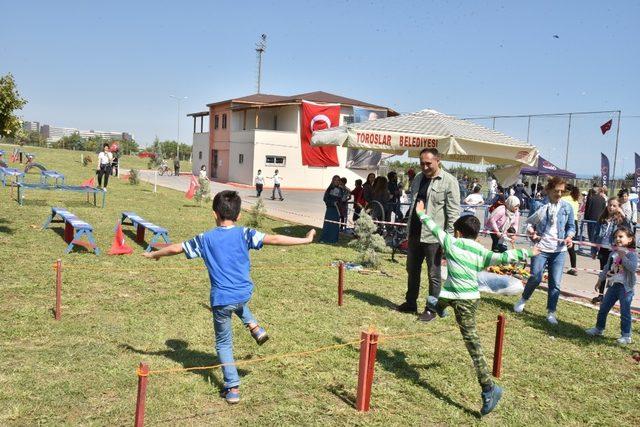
(307, 207)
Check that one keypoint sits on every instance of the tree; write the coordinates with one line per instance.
(368, 243)
(34, 138)
(70, 142)
(10, 101)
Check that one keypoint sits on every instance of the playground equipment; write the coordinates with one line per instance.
(22, 187)
(141, 225)
(51, 174)
(32, 164)
(74, 230)
(9, 172)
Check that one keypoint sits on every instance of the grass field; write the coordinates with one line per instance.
(118, 311)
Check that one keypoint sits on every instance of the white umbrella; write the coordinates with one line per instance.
(456, 139)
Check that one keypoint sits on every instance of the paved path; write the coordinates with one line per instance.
(306, 207)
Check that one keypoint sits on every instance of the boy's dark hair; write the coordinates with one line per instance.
(343, 180)
(468, 226)
(629, 233)
(227, 205)
(358, 182)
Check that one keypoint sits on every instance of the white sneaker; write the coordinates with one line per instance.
(594, 332)
(624, 340)
(551, 318)
(519, 306)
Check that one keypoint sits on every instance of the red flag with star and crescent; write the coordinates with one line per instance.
(606, 127)
(317, 117)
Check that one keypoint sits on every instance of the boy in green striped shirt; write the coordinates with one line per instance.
(465, 259)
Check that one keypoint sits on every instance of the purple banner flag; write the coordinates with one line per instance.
(604, 170)
(637, 179)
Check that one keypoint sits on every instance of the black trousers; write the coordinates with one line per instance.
(417, 254)
(259, 189)
(104, 172)
(572, 252)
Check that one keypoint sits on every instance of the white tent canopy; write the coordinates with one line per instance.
(456, 139)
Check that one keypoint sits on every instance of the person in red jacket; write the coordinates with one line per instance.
(358, 199)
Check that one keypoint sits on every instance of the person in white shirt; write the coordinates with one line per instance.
(203, 172)
(259, 183)
(276, 186)
(472, 200)
(104, 166)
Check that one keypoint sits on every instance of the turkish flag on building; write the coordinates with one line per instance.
(318, 117)
(606, 127)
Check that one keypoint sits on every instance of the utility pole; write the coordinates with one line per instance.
(261, 46)
(179, 99)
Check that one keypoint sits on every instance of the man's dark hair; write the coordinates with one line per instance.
(227, 205)
(468, 226)
(343, 180)
(433, 151)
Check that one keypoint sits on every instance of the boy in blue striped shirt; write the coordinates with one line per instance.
(465, 259)
(225, 251)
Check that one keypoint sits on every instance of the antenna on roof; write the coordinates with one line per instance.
(261, 46)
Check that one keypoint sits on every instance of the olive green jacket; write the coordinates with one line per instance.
(443, 202)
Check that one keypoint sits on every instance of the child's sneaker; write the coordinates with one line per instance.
(432, 305)
(624, 340)
(519, 306)
(490, 399)
(259, 334)
(231, 395)
(551, 318)
(594, 332)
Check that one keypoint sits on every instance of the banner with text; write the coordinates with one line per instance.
(604, 170)
(318, 117)
(637, 179)
(364, 159)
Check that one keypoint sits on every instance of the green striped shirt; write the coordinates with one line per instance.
(465, 259)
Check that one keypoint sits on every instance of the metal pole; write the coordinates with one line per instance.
(155, 181)
(528, 128)
(615, 153)
(566, 155)
(493, 126)
(178, 144)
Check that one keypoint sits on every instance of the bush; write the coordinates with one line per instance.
(368, 243)
(202, 192)
(134, 177)
(256, 215)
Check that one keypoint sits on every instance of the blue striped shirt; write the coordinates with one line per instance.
(225, 251)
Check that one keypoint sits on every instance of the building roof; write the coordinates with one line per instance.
(198, 114)
(318, 96)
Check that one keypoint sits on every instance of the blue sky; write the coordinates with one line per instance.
(112, 65)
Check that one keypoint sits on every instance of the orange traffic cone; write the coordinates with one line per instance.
(119, 247)
(89, 182)
(192, 188)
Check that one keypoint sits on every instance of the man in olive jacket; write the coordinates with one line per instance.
(440, 192)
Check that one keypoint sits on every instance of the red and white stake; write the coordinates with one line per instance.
(143, 375)
(497, 352)
(366, 367)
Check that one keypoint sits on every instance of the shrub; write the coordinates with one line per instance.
(256, 215)
(368, 243)
(134, 177)
(202, 192)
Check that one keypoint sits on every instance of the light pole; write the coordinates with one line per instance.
(179, 99)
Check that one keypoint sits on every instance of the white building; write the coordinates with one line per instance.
(237, 137)
(53, 133)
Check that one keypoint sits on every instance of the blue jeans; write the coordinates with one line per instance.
(616, 293)
(224, 337)
(554, 261)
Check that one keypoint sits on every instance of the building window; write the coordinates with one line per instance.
(224, 121)
(241, 158)
(348, 120)
(215, 121)
(276, 161)
(200, 155)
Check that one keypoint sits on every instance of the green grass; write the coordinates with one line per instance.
(81, 370)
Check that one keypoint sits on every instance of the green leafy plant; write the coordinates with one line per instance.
(134, 177)
(368, 243)
(202, 192)
(256, 215)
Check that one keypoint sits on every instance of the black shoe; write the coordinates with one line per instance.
(427, 316)
(572, 271)
(281, 200)
(597, 300)
(405, 307)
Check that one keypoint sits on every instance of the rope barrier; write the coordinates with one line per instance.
(134, 269)
(383, 338)
(248, 362)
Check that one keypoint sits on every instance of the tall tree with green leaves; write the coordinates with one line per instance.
(10, 101)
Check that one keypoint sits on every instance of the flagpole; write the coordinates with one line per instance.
(566, 155)
(615, 153)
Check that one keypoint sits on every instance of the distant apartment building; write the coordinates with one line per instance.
(31, 126)
(53, 133)
(235, 138)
